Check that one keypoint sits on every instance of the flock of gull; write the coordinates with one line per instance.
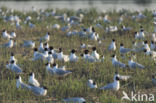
(49, 54)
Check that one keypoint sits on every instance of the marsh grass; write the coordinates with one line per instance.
(74, 85)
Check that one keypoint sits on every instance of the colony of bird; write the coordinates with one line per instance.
(46, 53)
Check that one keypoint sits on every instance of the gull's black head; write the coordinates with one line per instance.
(145, 50)
(17, 77)
(117, 78)
(121, 44)
(81, 55)
(46, 64)
(152, 41)
(153, 77)
(73, 51)
(31, 74)
(145, 42)
(45, 44)
(60, 49)
(113, 40)
(141, 27)
(94, 83)
(35, 49)
(54, 64)
(94, 48)
(51, 47)
(12, 62)
(12, 54)
(113, 56)
(49, 52)
(48, 33)
(86, 51)
(84, 30)
(4, 30)
(45, 49)
(93, 30)
(44, 87)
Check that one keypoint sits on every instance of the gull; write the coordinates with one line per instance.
(124, 50)
(111, 29)
(95, 54)
(31, 25)
(69, 33)
(12, 58)
(125, 28)
(61, 56)
(39, 91)
(45, 54)
(20, 84)
(83, 33)
(15, 68)
(83, 46)
(153, 37)
(133, 64)
(10, 44)
(137, 35)
(150, 53)
(13, 34)
(117, 63)
(146, 46)
(141, 34)
(153, 80)
(75, 100)
(54, 54)
(140, 15)
(112, 46)
(89, 30)
(8, 65)
(99, 25)
(56, 26)
(28, 18)
(91, 84)
(105, 19)
(41, 48)
(154, 25)
(60, 72)
(66, 28)
(63, 17)
(121, 19)
(30, 44)
(18, 26)
(88, 57)
(46, 45)
(46, 38)
(122, 77)
(37, 55)
(94, 35)
(152, 46)
(73, 57)
(113, 86)
(32, 81)
(6, 35)
(75, 18)
(50, 58)
(49, 69)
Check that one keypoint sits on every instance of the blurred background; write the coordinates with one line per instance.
(101, 5)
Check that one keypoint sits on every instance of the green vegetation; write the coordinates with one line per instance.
(75, 85)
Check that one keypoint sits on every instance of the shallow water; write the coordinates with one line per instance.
(101, 6)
